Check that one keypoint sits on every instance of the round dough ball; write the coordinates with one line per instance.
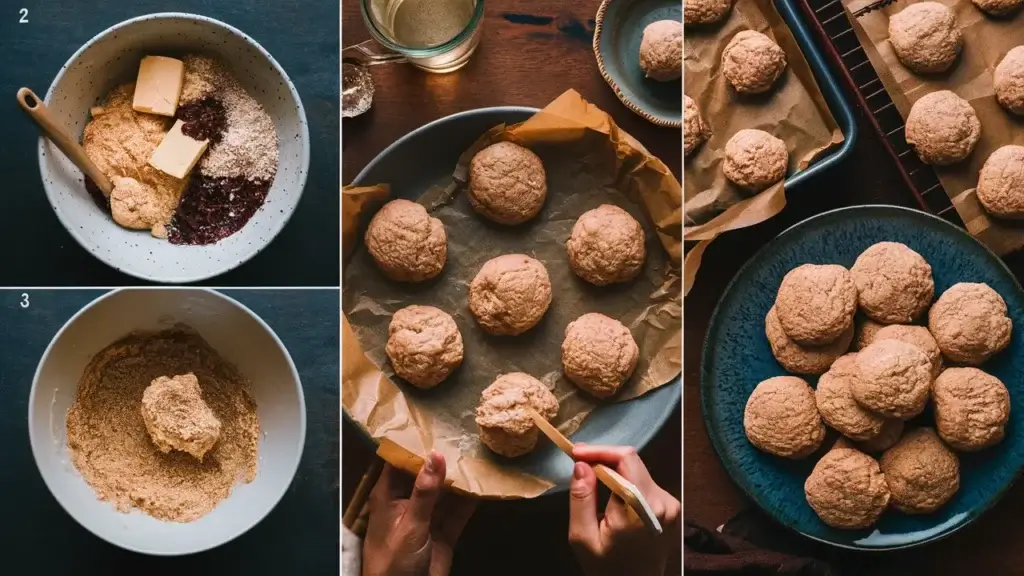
(926, 37)
(970, 323)
(971, 408)
(816, 303)
(943, 128)
(895, 378)
(505, 426)
(1009, 81)
(407, 244)
(922, 473)
(807, 360)
(754, 160)
(781, 418)
(918, 336)
(752, 62)
(510, 294)
(705, 11)
(661, 50)
(847, 489)
(598, 354)
(894, 283)
(507, 183)
(695, 131)
(999, 7)
(424, 345)
(834, 397)
(867, 329)
(891, 432)
(606, 246)
(1001, 183)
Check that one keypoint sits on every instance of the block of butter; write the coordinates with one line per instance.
(158, 86)
(177, 153)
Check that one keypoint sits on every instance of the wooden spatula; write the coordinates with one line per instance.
(619, 486)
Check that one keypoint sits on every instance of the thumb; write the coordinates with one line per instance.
(583, 524)
(427, 489)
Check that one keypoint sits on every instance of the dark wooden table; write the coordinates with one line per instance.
(516, 64)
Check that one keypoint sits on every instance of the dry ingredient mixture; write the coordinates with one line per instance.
(228, 185)
(112, 449)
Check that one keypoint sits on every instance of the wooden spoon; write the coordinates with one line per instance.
(36, 108)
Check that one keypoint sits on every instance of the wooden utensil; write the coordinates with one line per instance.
(37, 110)
(619, 486)
(354, 515)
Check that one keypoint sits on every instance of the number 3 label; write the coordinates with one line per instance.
(24, 300)
(24, 16)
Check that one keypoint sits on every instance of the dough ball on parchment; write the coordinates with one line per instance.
(505, 426)
(606, 246)
(706, 11)
(943, 128)
(799, 359)
(834, 397)
(510, 294)
(661, 50)
(752, 62)
(598, 354)
(507, 183)
(407, 244)
(894, 283)
(424, 345)
(922, 473)
(970, 323)
(847, 489)
(782, 419)
(926, 37)
(1001, 183)
(754, 160)
(1009, 81)
(695, 131)
(999, 7)
(816, 303)
(918, 336)
(971, 408)
(894, 379)
(891, 432)
(177, 417)
(866, 329)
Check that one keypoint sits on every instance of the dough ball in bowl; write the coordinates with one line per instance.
(943, 128)
(406, 243)
(706, 11)
(1009, 81)
(606, 246)
(424, 345)
(1001, 183)
(661, 50)
(970, 323)
(598, 354)
(799, 359)
(999, 7)
(922, 473)
(752, 62)
(816, 303)
(507, 183)
(894, 283)
(695, 131)
(834, 397)
(781, 418)
(847, 489)
(754, 160)
(505, 425)
(894, 379)
(971, 408)
(926, 37)
(510, 294)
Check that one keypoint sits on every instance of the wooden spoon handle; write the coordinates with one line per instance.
(36, 108)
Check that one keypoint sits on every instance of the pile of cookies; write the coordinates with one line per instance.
(896, 367)
(509, 295)
(944, 128)
(752, 63)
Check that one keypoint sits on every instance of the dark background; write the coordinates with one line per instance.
(302, 37)
(300, 536)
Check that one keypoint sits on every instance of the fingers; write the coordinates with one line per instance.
(427, 489)
(384, 490)
(584, 528)
(623, 459)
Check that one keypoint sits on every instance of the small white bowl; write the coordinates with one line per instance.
(113, 57)
(240, 337)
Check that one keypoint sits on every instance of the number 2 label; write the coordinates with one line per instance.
(24, 16)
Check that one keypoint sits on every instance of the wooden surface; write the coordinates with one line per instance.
(524, 64)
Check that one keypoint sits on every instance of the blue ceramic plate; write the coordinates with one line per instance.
(737, 357)
(617, 33)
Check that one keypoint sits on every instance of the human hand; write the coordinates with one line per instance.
(619, 543)
(413, 526)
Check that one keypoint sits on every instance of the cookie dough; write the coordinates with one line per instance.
(816, 303)
(782, 419)
(894, 379)
(177, 418)
(754, 160)
(918, 336)
(505, 426)
(407, 244)
(752, 62)
(424, 345)
(706, 11)
(834, 397)
(507, 183)
(891, 432)
(971, 408)
(866, 331)
(1009, 81)
(606, 246)
(510, 294)
(1001, 183)
(598, 354)
(798, 359)
(970, 323)
(999, 7)
(922, 473)
(661, 50)
(847, 489)
(943, 128)
(894, 283)
(926, 37)
(695, 130)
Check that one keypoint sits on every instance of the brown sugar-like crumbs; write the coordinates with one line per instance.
(112, 450)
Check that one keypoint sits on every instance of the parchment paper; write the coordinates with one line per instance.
(986, 41)
(589, 161)
(794, 110)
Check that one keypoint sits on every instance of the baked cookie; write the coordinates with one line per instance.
(661, 50)
(424, 345)
(781, 418)
(507, 183)
(752, 62)
(598, 354)
(970, 323)
(816, 303)
(798, 359)
(510, 294)
(1009, 81)
(943, 128)
(606, 246)
(918, 336)
(754, 160)
(922, 473)
(847, 489)
(1001, 183)
(894, 283)
(834, 398)
(971, 408)
(926, 37)
(406, 243)
(705, 11)
(894, 379)
(695, 131)
(505, 425)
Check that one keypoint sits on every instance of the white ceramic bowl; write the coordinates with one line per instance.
(241, 338)
(112, 57)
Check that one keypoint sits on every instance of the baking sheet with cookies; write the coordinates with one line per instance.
(986, 42)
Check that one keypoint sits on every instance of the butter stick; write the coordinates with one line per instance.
(177, 153)
(158, 85)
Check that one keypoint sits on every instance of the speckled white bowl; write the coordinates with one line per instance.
(113, 57)
(240, 337)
